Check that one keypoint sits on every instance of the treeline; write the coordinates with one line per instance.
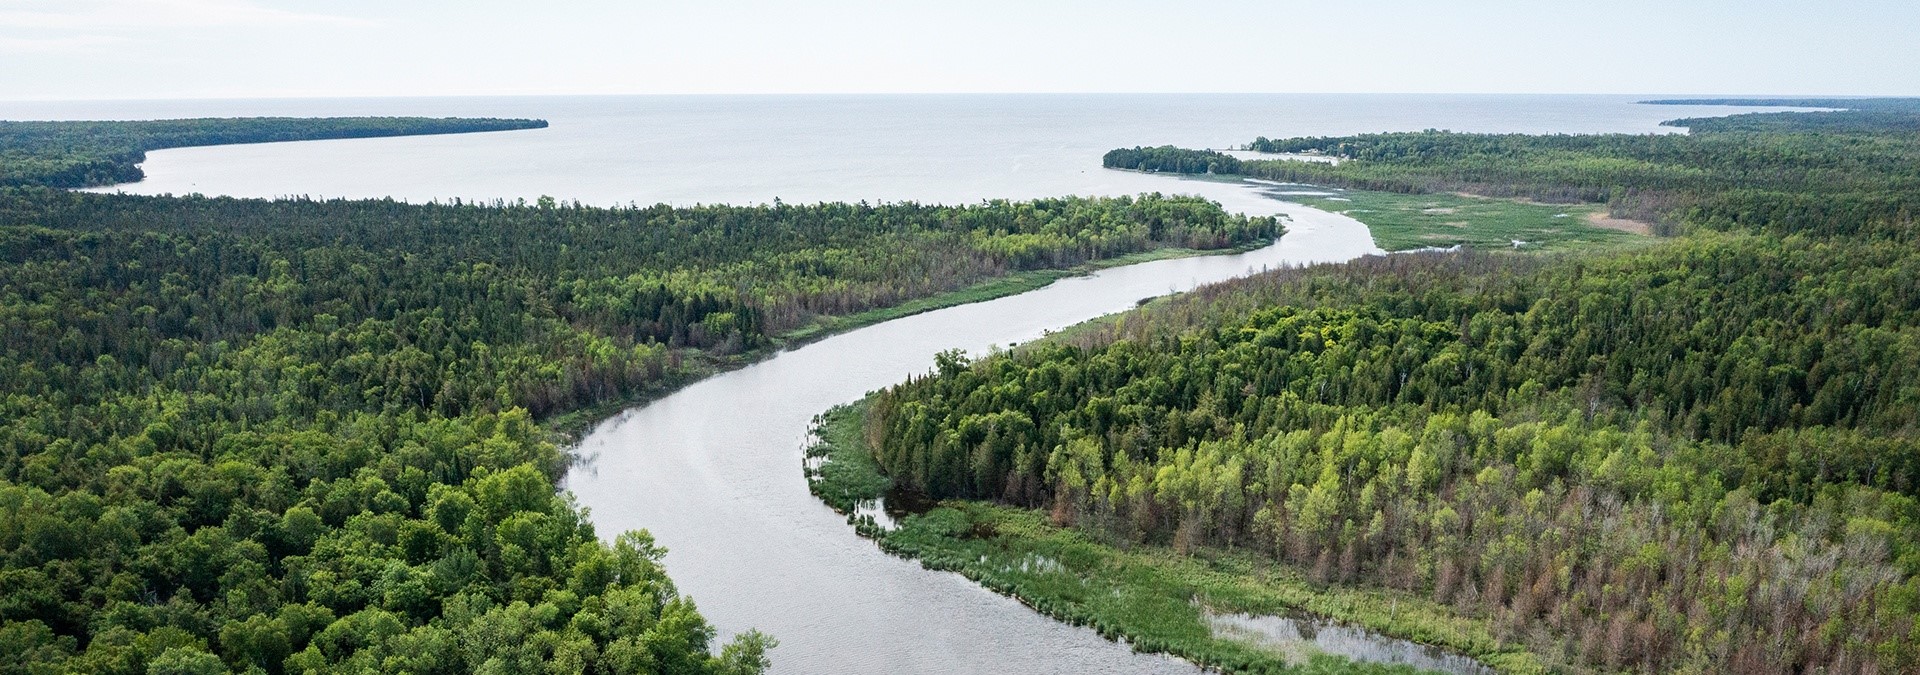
(85, 154)
(1167, 158)
(1662, 174)
(305, 436)
(717, 278)
(1872, 103)
(1845, 172)
(1698, 457)
(1594, 456)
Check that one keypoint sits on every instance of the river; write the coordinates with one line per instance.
(713, 471)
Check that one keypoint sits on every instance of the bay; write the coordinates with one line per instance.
(753, 149)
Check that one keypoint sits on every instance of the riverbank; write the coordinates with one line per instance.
(713, 472)
(1152, 597)
(569, 426)
(1157, 599)
(998, 287)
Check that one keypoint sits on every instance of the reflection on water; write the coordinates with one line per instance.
(887, 511)
(875, 511)
(1298, 638)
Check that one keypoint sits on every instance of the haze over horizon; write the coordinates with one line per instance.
(139, 49)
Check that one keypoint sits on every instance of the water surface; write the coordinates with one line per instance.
(753, 149)
(1299, 638)
(714, 471)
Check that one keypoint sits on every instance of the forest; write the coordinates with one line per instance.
(317, 436)
(1170, 159)
(88, 154)
(1696, 456)
(1789, 172)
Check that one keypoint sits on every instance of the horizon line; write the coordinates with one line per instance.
(318, 97)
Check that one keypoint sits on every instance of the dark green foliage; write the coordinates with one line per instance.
(303, 436)
(86, 154)
(1866, 177)
(1871, 103)
(1335, 418)
(720, 278)
(1167, 158)
(1692, 457)
(1852, 172)
(419, 545)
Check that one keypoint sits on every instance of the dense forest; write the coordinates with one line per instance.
(1170, 159)
(87, 154)
(1692, 457)
(1833, 171)
(310, 436)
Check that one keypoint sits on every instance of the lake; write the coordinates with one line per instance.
(753, 149)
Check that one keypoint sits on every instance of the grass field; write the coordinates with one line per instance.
(1403, 222)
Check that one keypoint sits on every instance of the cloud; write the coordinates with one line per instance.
(97, 15)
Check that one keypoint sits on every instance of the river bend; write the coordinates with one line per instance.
(713, 471)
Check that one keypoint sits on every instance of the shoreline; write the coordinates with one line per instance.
(571, 426)
(676, 466)
(986, 543)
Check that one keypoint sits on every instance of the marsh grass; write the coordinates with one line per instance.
(1157, 599)
(841, 471)
(1153, 597)
(1403, 222)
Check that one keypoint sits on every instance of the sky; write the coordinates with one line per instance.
(148, 49)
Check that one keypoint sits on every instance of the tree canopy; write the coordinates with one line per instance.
(86, 154)
(312, 436)
(1697, 456)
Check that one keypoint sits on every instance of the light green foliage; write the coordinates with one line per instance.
(304, 436)
(484, 570)
(186, 661)
(1690, 456)
(1156, 597)
(1460, 446)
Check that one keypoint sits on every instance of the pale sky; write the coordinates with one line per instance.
(121, 49)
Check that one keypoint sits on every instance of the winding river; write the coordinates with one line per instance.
(713, 471)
